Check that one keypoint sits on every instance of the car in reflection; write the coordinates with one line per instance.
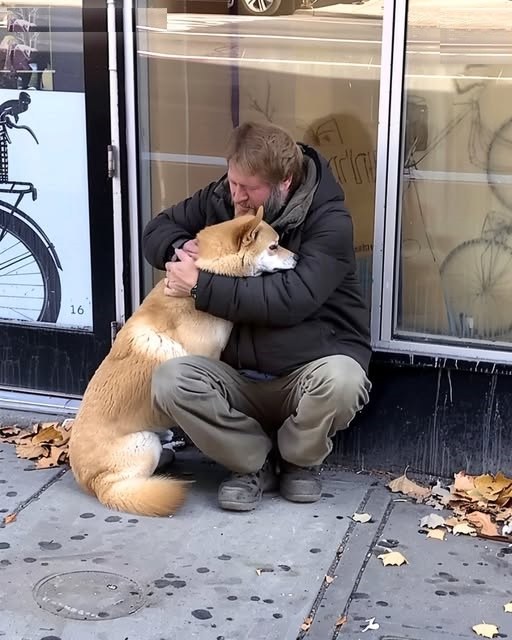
(263, 7)
(236, 7)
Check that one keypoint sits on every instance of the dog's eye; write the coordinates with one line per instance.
(273, 247)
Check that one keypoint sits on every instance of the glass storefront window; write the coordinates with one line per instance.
(45, 262)
(315, 72)
(454, 274)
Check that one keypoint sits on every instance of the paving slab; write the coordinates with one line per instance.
(19, 482)
(205, 573)
(71, 569)
(446, 587)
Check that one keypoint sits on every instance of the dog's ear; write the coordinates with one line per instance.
(247, 233)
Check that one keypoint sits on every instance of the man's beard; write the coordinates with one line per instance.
(271, 207)
(274, 204)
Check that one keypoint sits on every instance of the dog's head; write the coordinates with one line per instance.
(244, 246)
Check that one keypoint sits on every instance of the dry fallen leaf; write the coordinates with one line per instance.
(486, 630)
(432, 521)
(463, 528)
(361, 517)
(491, 486)
(341, 621)
(437, 534)
(57, 455)
(451, 522)
(329, 579)
(504, 515)
(483, 522)
(508, 607)
(30, 451)
(505, 497)
(463, 483)
(11, 517)
(306, 624)
(393, 558)
(10, 435)
(49, 434)
(371, 625)
(408, 487)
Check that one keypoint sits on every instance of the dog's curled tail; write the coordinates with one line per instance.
(154, 496)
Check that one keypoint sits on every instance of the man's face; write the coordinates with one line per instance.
(249, 192)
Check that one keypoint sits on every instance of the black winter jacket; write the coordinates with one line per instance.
(281, 320)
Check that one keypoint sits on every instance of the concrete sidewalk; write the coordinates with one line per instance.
(452, 14)
(73, 570)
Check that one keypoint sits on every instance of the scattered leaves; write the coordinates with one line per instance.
(393, 558)
(306, 624)
(486, 630)
(482, 502)
(437, 534)
(508, 607)
(45, 443)
(409, 488)
(361, 517)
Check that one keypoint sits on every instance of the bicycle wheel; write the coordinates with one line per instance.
(499, 164)
(30, 289)
(477, 283)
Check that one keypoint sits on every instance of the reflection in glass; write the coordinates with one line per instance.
(316, 74)
(455, 268)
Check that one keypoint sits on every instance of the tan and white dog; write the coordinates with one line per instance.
(114, 447)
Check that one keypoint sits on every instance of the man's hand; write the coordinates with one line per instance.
(191, 248)
(181, 276)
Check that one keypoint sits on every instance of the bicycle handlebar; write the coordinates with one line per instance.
(11, 125)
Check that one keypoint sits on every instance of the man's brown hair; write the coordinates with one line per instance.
(267, 151)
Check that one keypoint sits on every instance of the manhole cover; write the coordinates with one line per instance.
(89, 595)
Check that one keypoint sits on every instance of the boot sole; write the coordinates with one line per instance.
(297, 497)
(238, 506)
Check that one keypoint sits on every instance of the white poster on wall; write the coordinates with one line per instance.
(45, 265)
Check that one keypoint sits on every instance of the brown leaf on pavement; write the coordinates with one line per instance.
(394, 558)
(437, 534)
(306, 624)
(463, 482)
(490, 486)
(408, 487)
(483, 522)
(30, 451)
(56, 456)
(49, 434)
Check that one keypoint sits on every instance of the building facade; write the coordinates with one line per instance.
(110, 113)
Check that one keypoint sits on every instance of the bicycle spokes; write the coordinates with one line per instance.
(29, 281)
